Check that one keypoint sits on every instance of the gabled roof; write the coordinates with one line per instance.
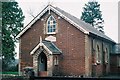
(48, 46)
(79, 24)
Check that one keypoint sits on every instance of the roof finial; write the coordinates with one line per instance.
(49, 4)
(40, 39)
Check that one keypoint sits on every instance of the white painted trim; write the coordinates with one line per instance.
(33, 51)
(70, 21)
(51, 32)
(47, 25)
(40, 44)
(56, 11)
(32, 22)
(51, 38)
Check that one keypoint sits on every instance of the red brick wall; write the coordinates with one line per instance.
(28, 41)
(69, 39)
(114, 68)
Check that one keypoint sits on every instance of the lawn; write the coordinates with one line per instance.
(12, 76)
(14, 73)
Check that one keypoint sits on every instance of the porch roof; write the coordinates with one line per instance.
(52, 47)
(79, 24)
(48, 46)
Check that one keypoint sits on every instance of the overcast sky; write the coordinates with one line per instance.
(109, 10)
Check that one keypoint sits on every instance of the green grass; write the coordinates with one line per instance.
(15, 73)
(9, 74)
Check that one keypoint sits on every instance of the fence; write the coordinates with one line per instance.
(54, 78)
(71, 78)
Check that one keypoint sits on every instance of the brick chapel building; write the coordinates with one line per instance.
(56, 43)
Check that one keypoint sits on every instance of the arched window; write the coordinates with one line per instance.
(51, 25)
(106, 55)
(98, 56)
(56, 60)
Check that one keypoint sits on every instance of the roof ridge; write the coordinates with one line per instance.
(85, 25)
(79, 24)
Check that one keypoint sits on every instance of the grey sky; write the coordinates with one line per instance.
(109, 10)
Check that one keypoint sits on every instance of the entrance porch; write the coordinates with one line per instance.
(45, 57)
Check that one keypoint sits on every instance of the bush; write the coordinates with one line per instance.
(13, 68)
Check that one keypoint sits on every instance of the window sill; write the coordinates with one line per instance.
(51, 33)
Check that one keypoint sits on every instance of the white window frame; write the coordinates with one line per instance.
(51, 24)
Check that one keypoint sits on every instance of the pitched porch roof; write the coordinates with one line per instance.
(48, 46)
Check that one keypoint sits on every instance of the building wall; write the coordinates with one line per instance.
(95, 68)
(88, 56)
(78, 55)
(115, 64)
(72, 42)
(28, 41)
(69, 40)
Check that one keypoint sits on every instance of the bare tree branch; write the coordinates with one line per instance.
(31, 12)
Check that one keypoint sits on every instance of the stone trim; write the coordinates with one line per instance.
(39, 45)
(36, 62)
(57, 12)
(87, 56)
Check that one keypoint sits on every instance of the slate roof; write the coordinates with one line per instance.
(52, 47)
(47, 45)
(84, 27)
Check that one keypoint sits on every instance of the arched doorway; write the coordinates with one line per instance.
(42, 66)
(43, 57)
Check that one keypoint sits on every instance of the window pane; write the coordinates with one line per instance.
(48, 22)
(53, 30)
(51, 18)
(48, 29)
(48, 26)
(54, 22)
(51, 24)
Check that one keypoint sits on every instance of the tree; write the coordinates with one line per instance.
(91, 14)
(12, 18)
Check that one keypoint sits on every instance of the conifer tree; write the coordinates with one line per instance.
(91, 14)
